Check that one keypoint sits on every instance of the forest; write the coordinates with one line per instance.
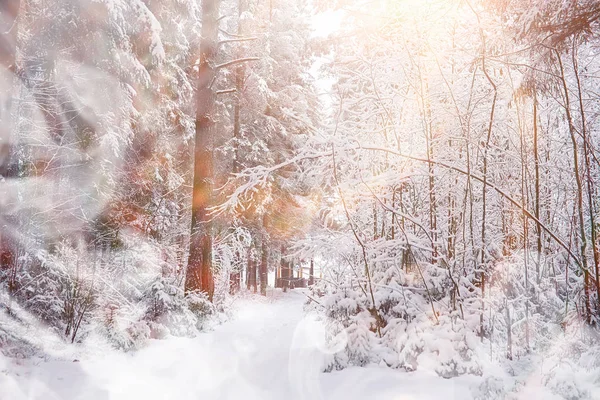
(311, 199)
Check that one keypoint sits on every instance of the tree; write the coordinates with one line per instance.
(199, 274)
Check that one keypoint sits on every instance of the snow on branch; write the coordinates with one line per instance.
(258, 176)
(239, 39)
(225, 91)
(238, 61)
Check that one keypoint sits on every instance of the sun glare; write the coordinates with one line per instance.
(326, 23)
(225, 199)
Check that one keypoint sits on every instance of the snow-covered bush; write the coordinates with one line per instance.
(59, 286)
(408, 338)
(352, 327)
(170, 311)
(120, 332)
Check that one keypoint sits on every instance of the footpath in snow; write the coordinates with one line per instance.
(269, 351)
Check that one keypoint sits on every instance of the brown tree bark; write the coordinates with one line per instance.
(199, 270)
(284, 271)
(253, 280)
(248, 268)
(263, 267)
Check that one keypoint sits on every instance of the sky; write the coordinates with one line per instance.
(324, 24)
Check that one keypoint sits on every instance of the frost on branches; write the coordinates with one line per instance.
(433, 164)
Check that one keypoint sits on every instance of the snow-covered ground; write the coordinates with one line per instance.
(269, 350)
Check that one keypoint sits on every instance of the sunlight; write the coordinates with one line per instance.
(229, 199)
(326, 23)
(433, 20)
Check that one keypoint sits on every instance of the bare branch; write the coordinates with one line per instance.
(238, 61)
(225, 91)
(239, 39)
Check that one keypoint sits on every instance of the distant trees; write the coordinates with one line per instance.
(456, 176)
(275, 108)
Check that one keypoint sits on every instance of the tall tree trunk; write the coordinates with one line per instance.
(254, 276)
(589, 181)
(484, 191)
(239, 82)
(428, 130)
(251, 273)
(524, 202)
(509, 342)
(199, 270)
(536, 159)
(579, 194)
(375, 226)
(311, 274)
(285, 271)
(234, 276)
(432, 199)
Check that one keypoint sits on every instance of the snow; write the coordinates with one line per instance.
(270, 349)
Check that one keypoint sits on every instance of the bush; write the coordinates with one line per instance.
(171, 312)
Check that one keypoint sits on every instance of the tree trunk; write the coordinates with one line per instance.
(484, 196)
(251, 278)
(234, 277)
(509, 352)
(311, 274)
(284, 271)
(234, 280)
(589, 182)
(248, 267)
(263, 267)
(524, 202)
(579, 194)
(254, 276)
(429, 136)
(199, 270)
(536, 158)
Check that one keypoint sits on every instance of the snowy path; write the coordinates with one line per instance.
(269, 351)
